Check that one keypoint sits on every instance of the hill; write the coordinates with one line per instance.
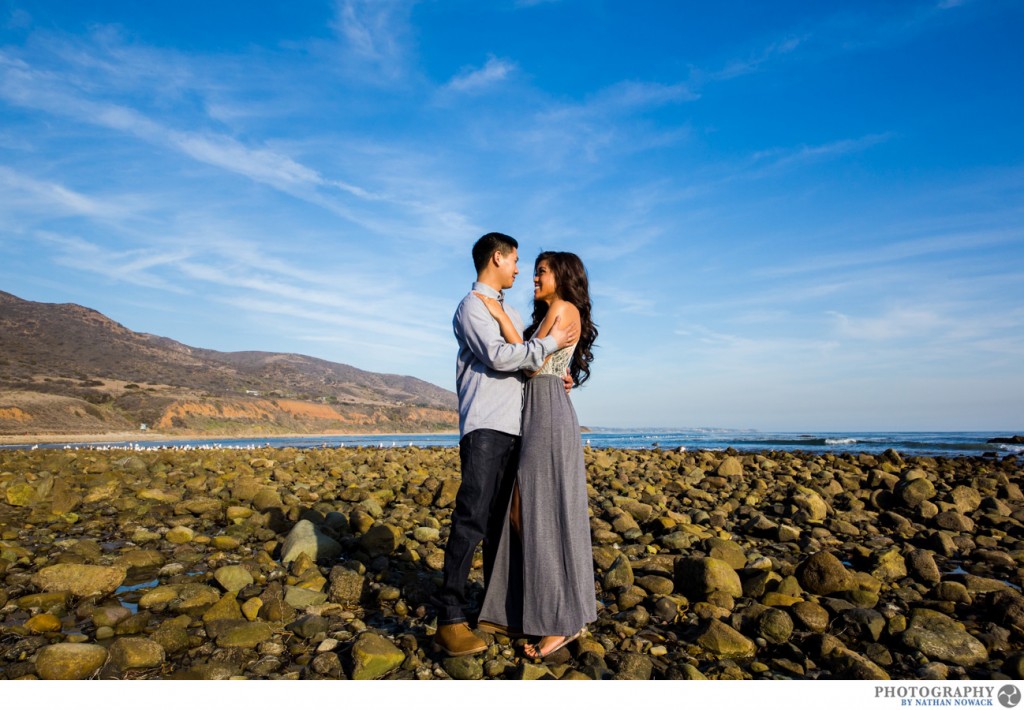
(66, 369)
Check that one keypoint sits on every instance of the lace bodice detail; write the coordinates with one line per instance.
(556, 364)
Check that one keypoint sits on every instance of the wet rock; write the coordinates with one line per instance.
(374, 656)
(305, 538)
(914, 492)
(308, 626)
(347, 586)
(699, 577)
(132, 653)
(70, 661)
(243, 634)
(725, 642)
(823, 573)
(922, 567)
(811, 503)
(634, 666)
(43, 624)
(464, 667)
(890, 566)
(941, 638)
(619, 576)
(728, 551)
(775, 626)
(730, 467)
(812, 616)
(233, 578)
(80, 580)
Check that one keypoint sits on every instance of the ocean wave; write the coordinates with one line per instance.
(840, 442)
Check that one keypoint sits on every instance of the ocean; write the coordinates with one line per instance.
(910, 443)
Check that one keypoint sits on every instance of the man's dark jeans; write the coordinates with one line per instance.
(489, 460)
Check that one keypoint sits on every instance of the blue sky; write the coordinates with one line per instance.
(796, 216)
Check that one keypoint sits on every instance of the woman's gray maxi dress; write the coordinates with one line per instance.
(544, 585)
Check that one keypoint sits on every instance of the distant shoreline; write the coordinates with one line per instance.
(148, 436)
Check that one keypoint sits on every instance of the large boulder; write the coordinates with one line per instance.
(374, 656)
(305, 537)
(941, 638)
(70, 661)
(80, 580)
(822, 573)
(699, 577)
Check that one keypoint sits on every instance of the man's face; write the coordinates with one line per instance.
(508, 267)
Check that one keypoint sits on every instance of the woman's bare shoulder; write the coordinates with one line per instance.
(563, 308)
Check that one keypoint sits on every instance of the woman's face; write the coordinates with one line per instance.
(544, 286)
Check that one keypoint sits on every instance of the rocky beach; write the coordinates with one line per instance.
(320, 563)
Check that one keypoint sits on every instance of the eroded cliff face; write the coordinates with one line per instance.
(29, 414)
(299, 416)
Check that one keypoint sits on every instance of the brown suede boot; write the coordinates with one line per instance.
(457, 640)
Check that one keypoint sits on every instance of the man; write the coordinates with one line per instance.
(490, 387)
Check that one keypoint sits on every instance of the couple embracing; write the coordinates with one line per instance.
(523, 491)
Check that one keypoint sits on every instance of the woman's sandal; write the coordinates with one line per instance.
(565, 642)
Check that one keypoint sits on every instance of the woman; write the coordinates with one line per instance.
(543, 578)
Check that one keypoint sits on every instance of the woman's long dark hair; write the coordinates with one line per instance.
(571, 285)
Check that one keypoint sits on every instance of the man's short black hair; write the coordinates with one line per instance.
(491, 242)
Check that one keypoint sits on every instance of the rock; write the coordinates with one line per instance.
(130, 653)
(172, 635)
(309, 625)
(224, 608)
(822, 573)
(374, 656)
(811, 503)
(110, 615)
(425, 534)
(952, 520)
(890, 566)
(921, 566)
(251, 608)
(347, 586)
(267, 499)
(699, 577)
(179, 535)
(80, 580)
(914, 492)
(813, 616)
(233, 578)
(244, 634)
(43, 624)
(305, 538)
(655, 584)
(299, 598)
(634, 666)
(731, 467)
(941, 638)
(21, 495)
(381, 540)
(464, 667)
(619, 576)
(850, 665)
(775, 626)
(138, 558)
(966, 499)
(725, 642)
(70, 661)
(728, 551)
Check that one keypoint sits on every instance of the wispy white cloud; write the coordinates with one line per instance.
(473, 79)
(756, 62)
(375, 36)
(43, 196)
(898, 251)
